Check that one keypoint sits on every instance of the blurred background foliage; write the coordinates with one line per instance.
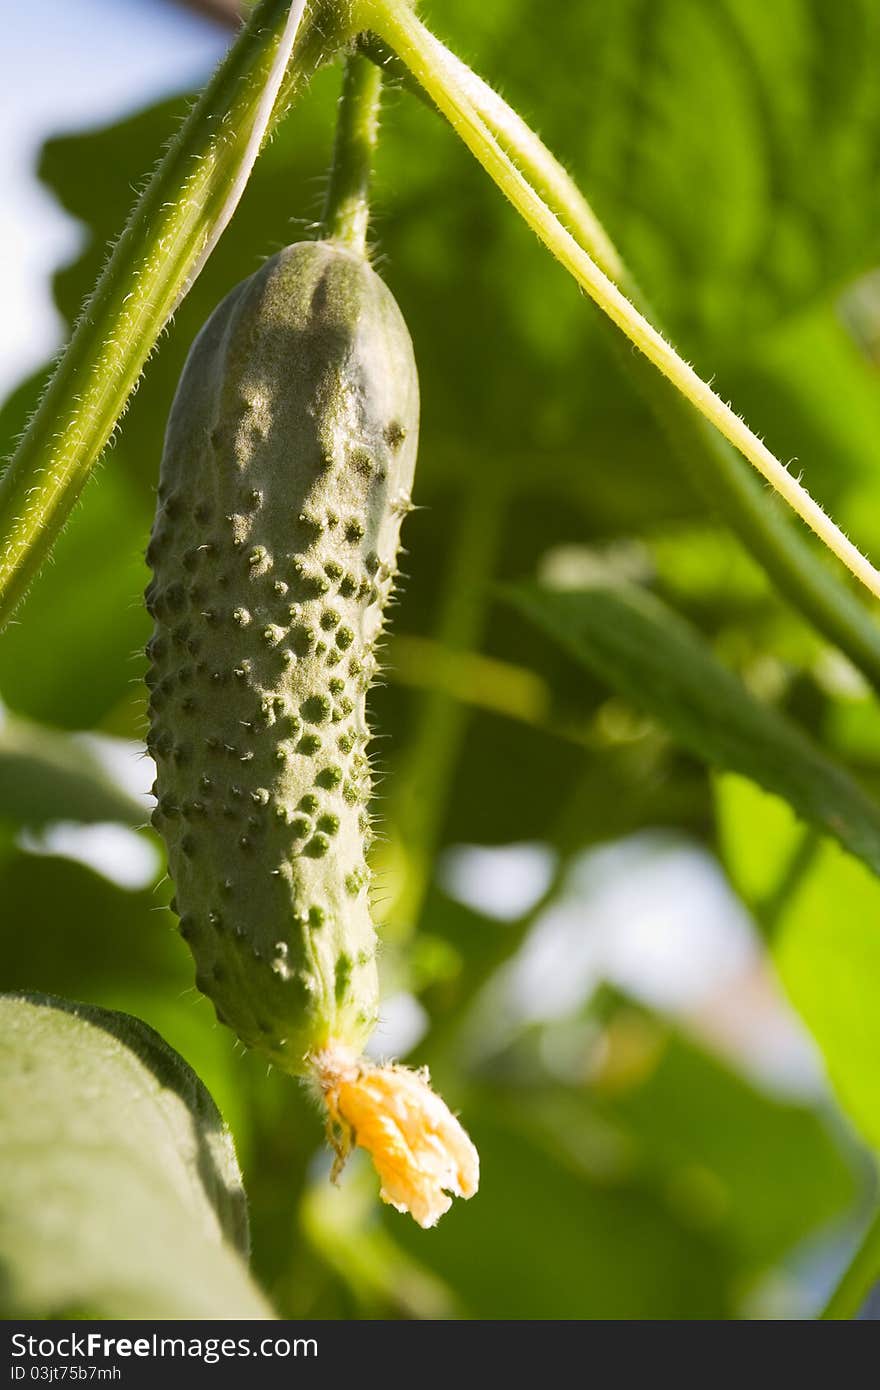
(649, 989)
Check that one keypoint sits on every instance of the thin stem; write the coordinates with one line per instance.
(170, 235)
(423, 781)
(770, 909)
(472, 678)
(733, 490)
(548, 178)
(347, 209)
(399, 27)
(858, 1279)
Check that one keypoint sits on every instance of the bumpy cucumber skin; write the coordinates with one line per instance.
(287, 470)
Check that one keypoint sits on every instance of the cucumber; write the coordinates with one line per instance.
(286, 474)
(287, 470)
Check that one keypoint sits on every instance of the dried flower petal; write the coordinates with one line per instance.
(419, 1149)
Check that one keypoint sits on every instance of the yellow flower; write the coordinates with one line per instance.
(419, 1149)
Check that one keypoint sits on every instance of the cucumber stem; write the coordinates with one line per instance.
(347, 208)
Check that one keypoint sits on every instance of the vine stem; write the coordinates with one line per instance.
(858, 1279)
(399, 27)
(730, 487)
(172, 231)
(347, 208)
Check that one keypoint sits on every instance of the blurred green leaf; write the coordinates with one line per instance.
(761, 1172)
(340, 1223)
(121, 1195)
(825, 936)
(748, 1171)
(538, 1241)
(74, 655)
(47, 776)
(83, 934)
(642, 649)
(815, 397)
(653, 1118)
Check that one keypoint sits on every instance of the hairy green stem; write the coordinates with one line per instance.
(733, 491)
(170, 235)
(547, 176)
(858, 1279)
(715, 468)
(442, 80)
(347, 208)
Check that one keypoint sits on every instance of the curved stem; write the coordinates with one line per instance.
(734, 491)
(728, 486)
(347, 208)
(716, 469)
(858, 1279)
(400, 28)
(546, 175)
(170, 235)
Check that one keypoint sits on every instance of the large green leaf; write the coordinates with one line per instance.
(732, 148)
(644, 650)
(120, 1194)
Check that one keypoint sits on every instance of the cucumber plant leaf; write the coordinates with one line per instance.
(632, 641)
(784, 152)
(120, 1194)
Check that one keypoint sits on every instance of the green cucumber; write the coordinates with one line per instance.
(287, 471)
